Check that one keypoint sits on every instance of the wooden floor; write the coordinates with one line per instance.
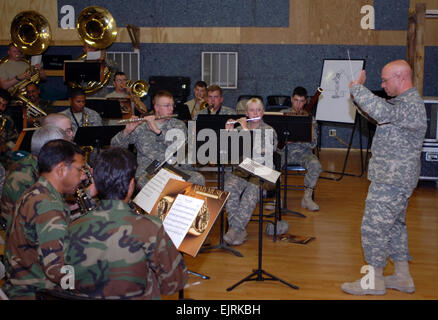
(335, 256)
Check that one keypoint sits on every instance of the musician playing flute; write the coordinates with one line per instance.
(149, 138)
(301, 153)
(243, 187)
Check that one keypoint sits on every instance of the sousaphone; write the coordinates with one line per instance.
(97, 28)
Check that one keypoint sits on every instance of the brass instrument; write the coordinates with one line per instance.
(85, 202)
(204, 105)
(200, 223)
(86, 121)
(97, 28)
(3, 121)
(30, 33)
(132, 120)
(139, 88)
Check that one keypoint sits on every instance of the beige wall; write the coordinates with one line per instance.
(311, 22)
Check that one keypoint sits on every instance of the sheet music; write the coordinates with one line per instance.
(259, 170)
(94, 55)
(181, 216)
(36, 60)
(149, 194)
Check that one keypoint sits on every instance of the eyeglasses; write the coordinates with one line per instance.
(81, 169)
(68, 130)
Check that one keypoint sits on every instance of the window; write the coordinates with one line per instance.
(128, 62)
(220, 68)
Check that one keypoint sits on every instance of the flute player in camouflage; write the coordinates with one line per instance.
(394, 169)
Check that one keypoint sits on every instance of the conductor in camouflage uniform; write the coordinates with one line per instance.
(244, 188)
(394, 169)
(301, 153)
(117, 253)
(37, 237)
(24, 173)
(149, 138)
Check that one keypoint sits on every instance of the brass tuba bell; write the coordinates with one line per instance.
(97, 28)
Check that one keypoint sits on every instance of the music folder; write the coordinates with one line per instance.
(106, 108)
(99, 136)
(83, 71)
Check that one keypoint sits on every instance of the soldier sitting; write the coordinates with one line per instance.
(114, 239)
(36, 239)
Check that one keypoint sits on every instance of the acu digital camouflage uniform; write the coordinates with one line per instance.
(244, 188)
(223, 110)
(22, 175)
(8, 136)
(394, 169)
(151, 147)
(94, 119)
(301, 153)
(118, 254)
(35, 242)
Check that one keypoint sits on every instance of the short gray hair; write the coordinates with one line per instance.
(43, 135)
(52, 119)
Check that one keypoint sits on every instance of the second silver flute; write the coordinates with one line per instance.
(143, 119)
(251, 119)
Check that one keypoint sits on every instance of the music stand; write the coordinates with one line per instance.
(216, 123)
(290, 129)
(106, 108)
(82, 71)
(96, 136)
(257, 274)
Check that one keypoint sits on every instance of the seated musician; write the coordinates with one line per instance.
(136, 244)
(148, 136)
(24, 173)
(8, 132)
(121, 90)
(61, 121)
(301, 153)
(78, 113)
(200, 97)
(243, 187)
(215, 100)
(36, 239)
(15, 69)
(33, 94)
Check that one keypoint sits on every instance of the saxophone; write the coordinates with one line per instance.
(3, 121)
(85, 119)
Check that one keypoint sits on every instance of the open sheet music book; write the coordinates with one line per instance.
(188, 211)
(259, 170)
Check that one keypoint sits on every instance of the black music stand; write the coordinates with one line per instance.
(97, 137)
(291, 129)
(216, 123)
(82, 71)
(106, 108)
(257, 274)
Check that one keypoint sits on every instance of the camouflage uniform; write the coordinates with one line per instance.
(118, 254)
(151, 147)
(301, 153)
(22, 175)
(2, 178)
(223, 110)
(94, 119)
(244, 190)
(393, 170)
(8, 136)
(35, 242)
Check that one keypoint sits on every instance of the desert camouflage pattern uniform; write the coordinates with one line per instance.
(244, 188)
(94, 119)
(223, 110)
(151, 147)
(35, 242)
(22, 175)
(8, 136)
(301, 153)
(118, 254)
(394, 169)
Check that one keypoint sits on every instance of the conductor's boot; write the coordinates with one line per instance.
(235, 237)
(367, 285)
(401, 280)
(307, 201)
